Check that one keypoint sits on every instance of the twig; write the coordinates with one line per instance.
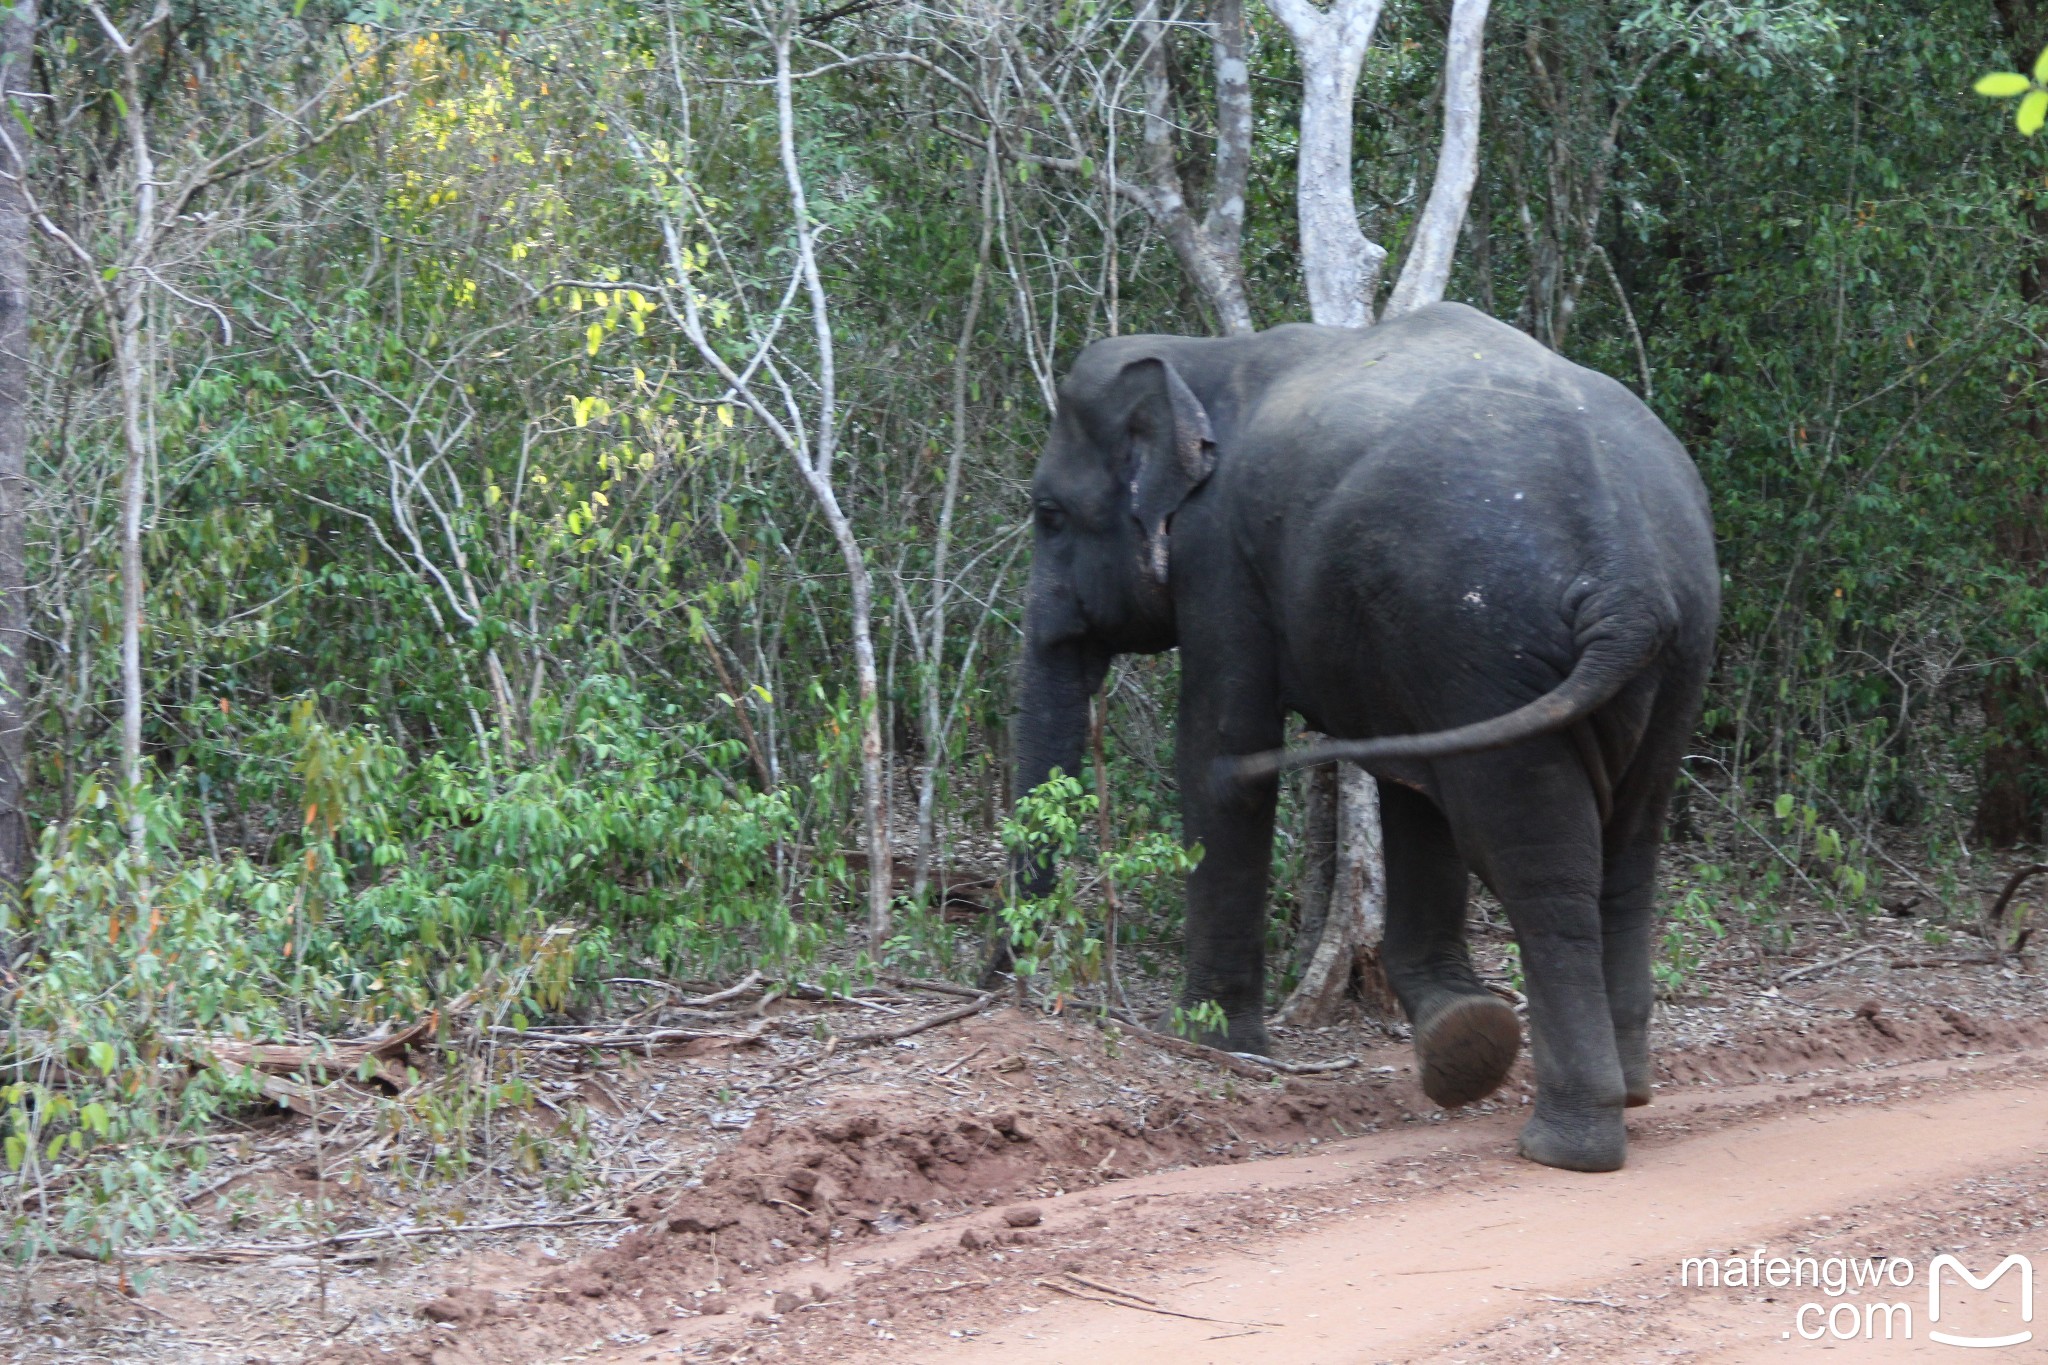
(976, 1006)
(1995, 916)
(1118, 1299)
(1299, 1068)
(936, 987)
(1236, 1063)
(249, 1251)
(1079, 1278)
(960, 1061)
(1811, 968)
(805, 990)
(1250, 1064)
(557, 1043)
(732, 992)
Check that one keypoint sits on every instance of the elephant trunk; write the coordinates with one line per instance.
(1052, 727)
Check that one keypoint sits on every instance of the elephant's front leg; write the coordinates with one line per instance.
(1225, 712)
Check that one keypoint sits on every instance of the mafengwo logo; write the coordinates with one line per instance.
(1860, 1298)
(1939, 1264)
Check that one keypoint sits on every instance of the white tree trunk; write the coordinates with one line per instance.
(1211, 251)
(131, 360)
(935, 727)
(1428, 267)
(817, 473)
(1339, 264)
(17, 44)
(1357, 914)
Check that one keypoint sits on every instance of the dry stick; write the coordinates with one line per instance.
(1116, 1299)
(550, 1043)
(1079, 1278)
(256, 1250)
(948, 1017)
(1811, 968)
(732, 992)
(935, 719)
(936, 987)
(960, 1061)
(1244, 1064)
(1099, 719)
(1995, 916)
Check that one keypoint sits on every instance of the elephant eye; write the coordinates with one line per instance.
(1052, 519)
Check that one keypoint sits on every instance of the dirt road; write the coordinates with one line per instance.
(1028, 1189)
(1528, 1263)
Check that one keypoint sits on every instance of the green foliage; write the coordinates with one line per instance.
(1195, 1022)
(1692, 921)
(1052, 937)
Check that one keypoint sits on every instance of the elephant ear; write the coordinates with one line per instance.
(1174, 450)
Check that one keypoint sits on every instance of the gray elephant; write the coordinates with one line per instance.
(1486, 571)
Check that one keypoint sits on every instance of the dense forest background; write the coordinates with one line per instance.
(463, 516)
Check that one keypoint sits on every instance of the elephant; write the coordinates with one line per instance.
(1487, 573)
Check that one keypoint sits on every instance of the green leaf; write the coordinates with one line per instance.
(2033, 112)
(2002, 85)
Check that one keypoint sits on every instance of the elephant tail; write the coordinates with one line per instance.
(1606, 666)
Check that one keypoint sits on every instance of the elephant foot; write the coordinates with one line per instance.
(1464, 1048)
(1591, 1141)
(1246, 1035)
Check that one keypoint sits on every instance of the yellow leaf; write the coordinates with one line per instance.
(725, 414)
(594, 337)
(2001, 85)
(2041, 68)
(2033, 112)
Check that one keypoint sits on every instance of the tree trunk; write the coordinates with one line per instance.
(1319, 862)
(1339, 265)
(1428, 268)
(17, 45)
(131, 361)
(935, 726)
(817, 473)
(1211, 251)
(1346, 957)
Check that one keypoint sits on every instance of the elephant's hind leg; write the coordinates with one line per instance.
(1630, 845)
(1528, 821)
(1466, 1037)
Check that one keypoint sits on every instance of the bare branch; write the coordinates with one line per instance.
(1428, 268)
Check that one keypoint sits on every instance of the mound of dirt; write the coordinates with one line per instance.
(1877, 1033)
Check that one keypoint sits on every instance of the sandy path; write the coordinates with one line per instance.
(1433, 1274)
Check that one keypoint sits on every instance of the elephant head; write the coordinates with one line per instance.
(1130, 443)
